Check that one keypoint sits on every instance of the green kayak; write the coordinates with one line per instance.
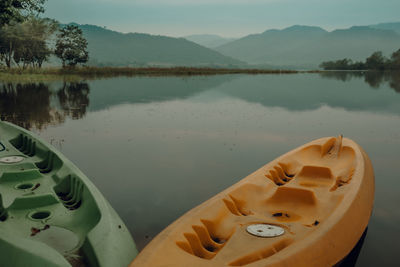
(50, 213)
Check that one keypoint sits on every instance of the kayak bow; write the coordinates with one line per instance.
(50, 212)
(308, 207)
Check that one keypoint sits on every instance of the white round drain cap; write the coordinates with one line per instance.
(11, 159)
(265, 230)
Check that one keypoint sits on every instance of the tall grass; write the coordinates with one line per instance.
(33, 74)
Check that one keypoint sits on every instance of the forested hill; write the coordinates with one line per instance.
(305, 46)
(113, 48)
(302, 47)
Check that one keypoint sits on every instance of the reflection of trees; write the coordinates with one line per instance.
(74, 99)
(394, 82)
(340, 75)
(29, 105)
(375, 79)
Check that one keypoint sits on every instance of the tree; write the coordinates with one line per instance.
(376, 61)
(37, 34)
(26, 42)
(18, 10)
(71, 46)
(395, 60)
(10, 36)
(342, 64)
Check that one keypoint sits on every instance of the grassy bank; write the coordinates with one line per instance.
(32, 78)
(31, 74)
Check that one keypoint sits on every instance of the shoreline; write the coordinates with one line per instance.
(92, 73)
(79, 73)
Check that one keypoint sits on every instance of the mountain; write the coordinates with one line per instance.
(107, 47)
(208, 40)
(306, 46)
(394, 26)
(300, 47)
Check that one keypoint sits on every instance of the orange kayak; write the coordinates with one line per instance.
(308, 207)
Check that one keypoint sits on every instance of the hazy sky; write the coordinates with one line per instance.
(230, 18)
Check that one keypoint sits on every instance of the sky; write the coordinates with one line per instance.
(228, 18)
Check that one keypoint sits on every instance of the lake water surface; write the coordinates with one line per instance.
(158, 146)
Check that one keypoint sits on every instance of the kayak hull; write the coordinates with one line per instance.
(50, 212)
(321, 195)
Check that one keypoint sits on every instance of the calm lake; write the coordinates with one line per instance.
(158, 146)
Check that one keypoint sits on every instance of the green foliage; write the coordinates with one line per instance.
(377, 61)
(395, 60)
(342, 64)
(26, 43)
(19, 10)
(71, 46)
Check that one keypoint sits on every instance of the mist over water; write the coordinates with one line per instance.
(158, 146)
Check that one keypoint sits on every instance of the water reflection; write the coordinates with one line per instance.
(375, 79)
(74, 99)
(28, 105)
(35, 105)
(303, 92)
(32, 105)
(158, 146)
(137, 90)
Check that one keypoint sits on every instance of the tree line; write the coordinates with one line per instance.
(377, 61)
(27, 40)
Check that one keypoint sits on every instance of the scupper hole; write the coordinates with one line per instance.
(40, 215)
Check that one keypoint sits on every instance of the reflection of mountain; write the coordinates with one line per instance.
(293, 92)
(35, 105)
(30, 105)
(116, 91)
(306, 92)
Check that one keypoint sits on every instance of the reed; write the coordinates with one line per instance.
(79, 73)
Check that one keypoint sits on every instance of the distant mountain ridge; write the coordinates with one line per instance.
(209, 40)
(107, 47)
(394, 26)
(307, 46)
(298, 47)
